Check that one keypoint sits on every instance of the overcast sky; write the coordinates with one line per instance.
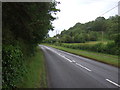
(73, 11)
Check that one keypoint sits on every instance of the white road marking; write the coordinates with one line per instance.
(68, 53)
(59, 54)
(83, 67)
(73, 55)
(73, 61)
(79, 64)
(113, 82)
(68, 59)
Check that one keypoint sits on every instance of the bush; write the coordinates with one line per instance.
(109, 48)
(13, 66)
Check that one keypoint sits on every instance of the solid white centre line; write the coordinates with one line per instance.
(83, 67)
(113, 82)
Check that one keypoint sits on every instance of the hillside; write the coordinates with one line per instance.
(99, 29)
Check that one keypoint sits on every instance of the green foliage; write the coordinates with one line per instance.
(13, 65)
(99, 29)
(105, 58)
(99, 24)
(24, 26)
(117, 38)
(29, 21)
(109, 48)
(36, 73)
(50, 40)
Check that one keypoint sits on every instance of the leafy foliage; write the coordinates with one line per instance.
(24, 26)
(109, 48)
(13, 67)
(99, 29)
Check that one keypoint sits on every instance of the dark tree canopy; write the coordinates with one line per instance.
(24, 26)
(28, 21)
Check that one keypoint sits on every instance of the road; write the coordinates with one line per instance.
(66, 70)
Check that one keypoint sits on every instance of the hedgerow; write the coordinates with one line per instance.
(109, 48)
(13, 65)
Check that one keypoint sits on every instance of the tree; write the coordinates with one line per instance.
(24, 26)
(98, 29)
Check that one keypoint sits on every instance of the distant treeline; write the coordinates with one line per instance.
(100, 29)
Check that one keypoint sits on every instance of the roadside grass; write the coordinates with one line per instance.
(104, 58)
(36, 74)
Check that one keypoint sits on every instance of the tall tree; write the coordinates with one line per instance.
(24, 26)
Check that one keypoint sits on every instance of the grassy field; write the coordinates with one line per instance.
(36, 75)
(105, 58)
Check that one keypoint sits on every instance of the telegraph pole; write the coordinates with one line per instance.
(119, 8)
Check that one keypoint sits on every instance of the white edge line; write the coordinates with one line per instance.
(74, 61)
(66, 58)
(113, 82)
(59, 54)
(83, 67)
(69, 59)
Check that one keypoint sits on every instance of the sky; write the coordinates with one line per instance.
(82, 11)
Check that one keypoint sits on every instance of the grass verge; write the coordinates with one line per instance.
(104, 58)
(36, 73)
